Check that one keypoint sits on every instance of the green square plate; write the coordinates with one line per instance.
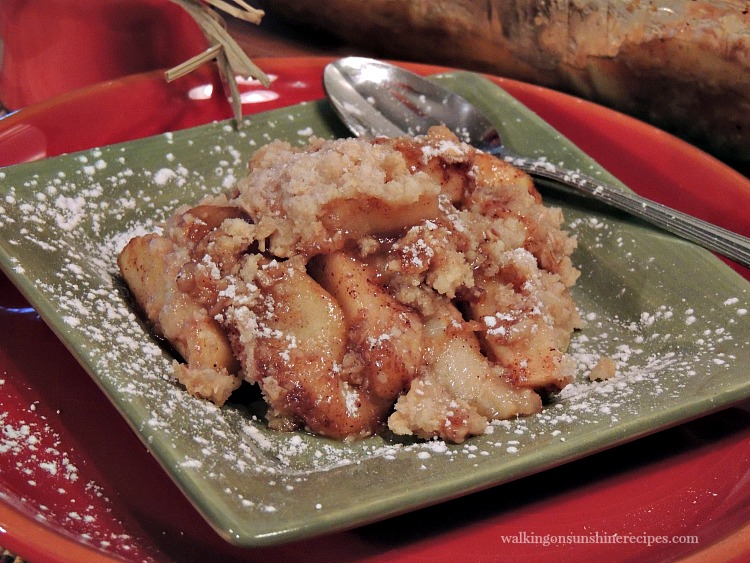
(672, 315)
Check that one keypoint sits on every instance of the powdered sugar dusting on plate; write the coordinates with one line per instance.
(35, 452)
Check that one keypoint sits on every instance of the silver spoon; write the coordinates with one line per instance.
(379, 99)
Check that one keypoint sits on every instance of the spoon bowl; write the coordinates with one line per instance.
(375, 98)
(409, 103)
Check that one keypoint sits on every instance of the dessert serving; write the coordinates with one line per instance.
(414, 284)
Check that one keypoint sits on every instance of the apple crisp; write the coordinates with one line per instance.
(414, 284)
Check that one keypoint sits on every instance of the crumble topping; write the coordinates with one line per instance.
(415, 284)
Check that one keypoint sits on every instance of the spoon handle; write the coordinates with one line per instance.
(731, 245)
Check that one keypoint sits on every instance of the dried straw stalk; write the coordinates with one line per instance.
(230, 57)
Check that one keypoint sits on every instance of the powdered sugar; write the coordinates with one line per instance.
(44, 467)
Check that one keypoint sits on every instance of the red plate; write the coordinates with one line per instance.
(78, 485)
(49, 48)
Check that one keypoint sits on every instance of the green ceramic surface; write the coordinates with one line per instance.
(680, 339)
